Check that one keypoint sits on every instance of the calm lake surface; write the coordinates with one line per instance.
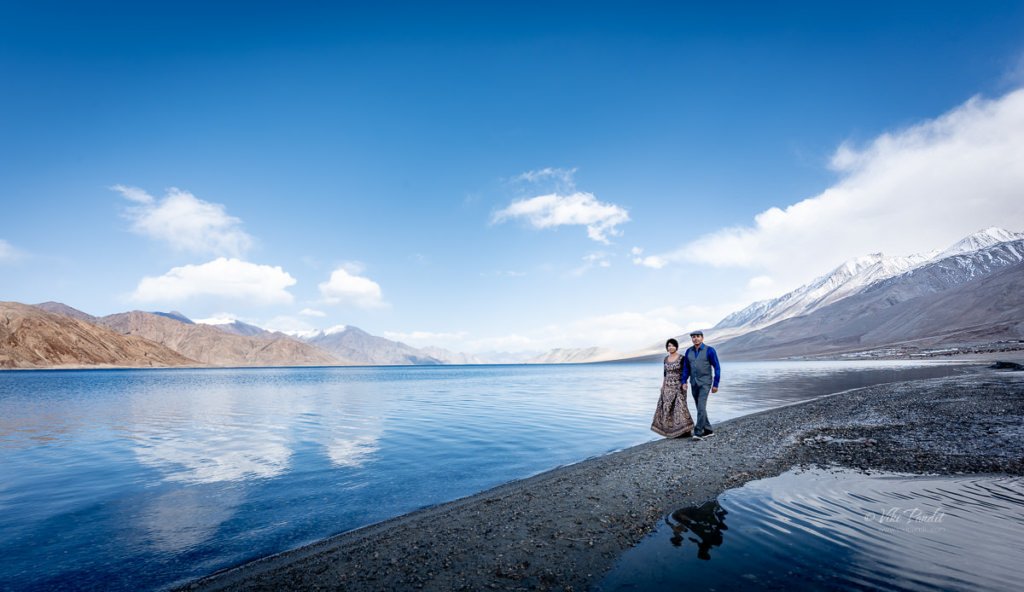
(838, 530)
(145, 479)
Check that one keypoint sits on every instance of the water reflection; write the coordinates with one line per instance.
(352, 452)
(182, 519)
(839, 530)
(704, 525)
(128, 480)
(207, 437)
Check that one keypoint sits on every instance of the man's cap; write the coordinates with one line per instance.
(697, 332)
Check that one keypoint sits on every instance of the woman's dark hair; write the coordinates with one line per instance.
(672, 342)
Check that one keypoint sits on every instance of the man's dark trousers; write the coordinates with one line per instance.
(700, 397)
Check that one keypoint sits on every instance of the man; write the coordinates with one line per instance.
(700, 365)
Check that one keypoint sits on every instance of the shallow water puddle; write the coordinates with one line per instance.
(840, 530)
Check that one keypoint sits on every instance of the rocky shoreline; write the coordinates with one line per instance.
(563, 529)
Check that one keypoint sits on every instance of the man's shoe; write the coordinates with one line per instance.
(708, 433)
(698, 437)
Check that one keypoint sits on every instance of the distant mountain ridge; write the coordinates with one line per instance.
(230, 342)
(358, 346)
(236, 327)
(65, 310)
(212, 346)
(969, 292)
(575, 356)
(968, 296)
(33, 337)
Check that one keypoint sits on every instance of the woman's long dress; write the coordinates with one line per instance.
(672, 418)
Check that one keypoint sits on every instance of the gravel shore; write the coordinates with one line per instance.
(561, 530)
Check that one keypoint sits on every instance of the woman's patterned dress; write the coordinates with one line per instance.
(672, 418)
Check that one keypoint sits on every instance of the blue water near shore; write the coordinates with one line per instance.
(145, 479)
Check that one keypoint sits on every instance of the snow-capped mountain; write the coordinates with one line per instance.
(980, 240)
(845, 280)
(850, 278)
(236, 327)
(973, 297)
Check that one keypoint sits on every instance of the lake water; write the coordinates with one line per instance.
(838, 530)
(145, 479)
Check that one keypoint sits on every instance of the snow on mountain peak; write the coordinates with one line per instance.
(979, 240)
(217, 320)
(314, 333)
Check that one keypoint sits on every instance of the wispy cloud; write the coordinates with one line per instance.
(907, 191)
(625, 332)
(652, 261)
(346, 286)
(503, 273)
(591, 261)
(289, 325)
(185, 222)
(629, 330)
(219, 318)
(425, 338)
(9, 254)
(311, 312)
(565, 177)
(1013, 76)
(578, 209)
(221, 278)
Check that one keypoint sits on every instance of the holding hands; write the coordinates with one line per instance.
(714, 389)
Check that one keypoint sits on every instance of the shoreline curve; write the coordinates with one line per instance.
(564, 528)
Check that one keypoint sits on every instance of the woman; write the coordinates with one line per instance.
(672, 418)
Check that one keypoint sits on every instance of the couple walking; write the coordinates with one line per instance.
(700, 365)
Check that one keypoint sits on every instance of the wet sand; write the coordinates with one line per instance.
(563, 529)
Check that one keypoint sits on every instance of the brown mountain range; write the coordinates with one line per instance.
(209, 345)
(34, 338)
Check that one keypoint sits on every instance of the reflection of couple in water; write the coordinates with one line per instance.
(706, 522)
(700, 365)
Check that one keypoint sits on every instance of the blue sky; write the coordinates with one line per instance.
(493, 176)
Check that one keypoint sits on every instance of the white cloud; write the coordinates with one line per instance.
(185, 222)
(311, 312)
(8, 253)
(289, 325)
(652, 261)
(760, 282)
(1014, 74)
(347, 287)
(625, 332)
(222, 278)
(219, 318)
(577, 209)
(908, 191)
(425, 338)
(592, 260)
(564, 176)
